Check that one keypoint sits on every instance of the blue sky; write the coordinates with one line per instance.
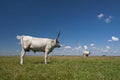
(84, 24)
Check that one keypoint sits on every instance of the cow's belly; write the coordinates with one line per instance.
(37, 48)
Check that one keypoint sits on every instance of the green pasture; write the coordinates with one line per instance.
(60, 68)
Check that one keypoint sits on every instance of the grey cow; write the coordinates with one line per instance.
(35, 44)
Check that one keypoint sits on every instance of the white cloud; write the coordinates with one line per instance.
(92, 44)
(67, 47)
(101, 15)
(113, 39)
(108, 47)
(108, 19)
(109, 40)
(85, 47)
(78, 48)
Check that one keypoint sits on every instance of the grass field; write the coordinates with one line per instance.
(60, 68)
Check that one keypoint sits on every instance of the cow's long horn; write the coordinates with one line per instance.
(58, 36)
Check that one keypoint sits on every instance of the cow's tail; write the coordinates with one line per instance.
(20, 38)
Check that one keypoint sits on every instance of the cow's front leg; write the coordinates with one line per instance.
(46, 57)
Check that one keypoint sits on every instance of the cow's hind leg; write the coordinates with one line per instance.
(22, 56)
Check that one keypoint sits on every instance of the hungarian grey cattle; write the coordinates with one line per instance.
(35, 44)
(86, 53)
